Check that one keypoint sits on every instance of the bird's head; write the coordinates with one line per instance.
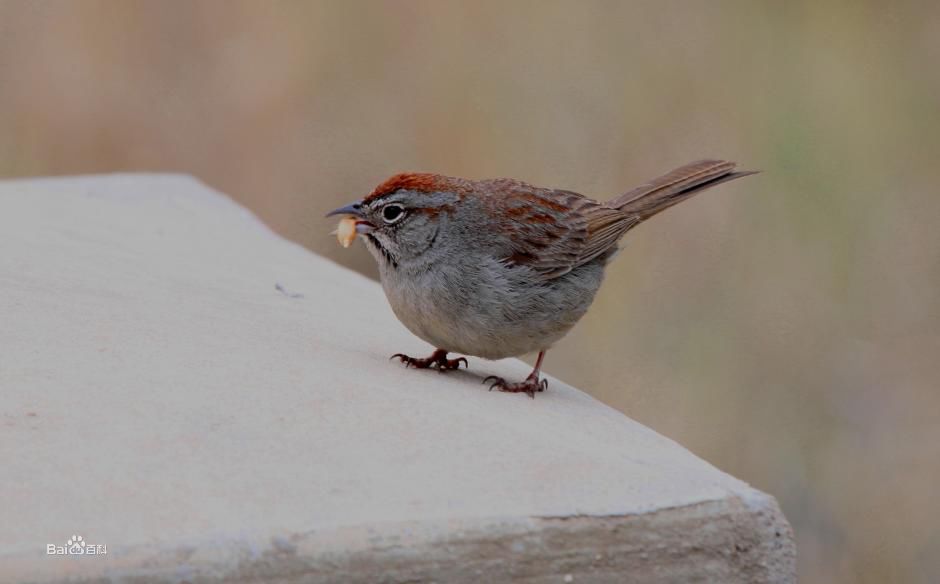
(401, 219)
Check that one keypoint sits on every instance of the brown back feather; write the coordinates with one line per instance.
(566, 230)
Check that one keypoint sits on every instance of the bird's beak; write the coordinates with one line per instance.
(354, 209)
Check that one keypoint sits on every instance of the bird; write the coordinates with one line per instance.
(500, 268)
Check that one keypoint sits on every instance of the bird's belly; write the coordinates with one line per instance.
(491, 310)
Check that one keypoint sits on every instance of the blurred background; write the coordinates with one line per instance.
(785, 327)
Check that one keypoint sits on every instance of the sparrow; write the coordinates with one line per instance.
(500, 268)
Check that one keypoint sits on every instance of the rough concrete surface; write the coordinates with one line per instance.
(162, 398)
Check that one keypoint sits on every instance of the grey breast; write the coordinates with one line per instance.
(484, 307)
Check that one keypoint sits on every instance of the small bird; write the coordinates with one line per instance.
(500, 268)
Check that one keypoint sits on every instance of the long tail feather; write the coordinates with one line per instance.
(674, 187)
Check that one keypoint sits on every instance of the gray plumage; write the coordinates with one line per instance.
(500, 268)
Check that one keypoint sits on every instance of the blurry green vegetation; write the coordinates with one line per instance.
(785, 327)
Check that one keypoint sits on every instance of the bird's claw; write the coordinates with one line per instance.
(438, 360)
(530, 386)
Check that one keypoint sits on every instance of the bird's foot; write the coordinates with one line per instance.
(531, 385)
(438, 360)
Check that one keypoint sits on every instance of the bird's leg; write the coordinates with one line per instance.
(531, 384)
(438, 360)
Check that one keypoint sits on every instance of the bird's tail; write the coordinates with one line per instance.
(674, 187)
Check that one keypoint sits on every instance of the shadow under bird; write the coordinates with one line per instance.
(499, 268)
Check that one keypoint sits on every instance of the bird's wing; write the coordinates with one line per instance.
(553, 231)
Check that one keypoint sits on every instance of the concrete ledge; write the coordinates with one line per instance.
(163, 398)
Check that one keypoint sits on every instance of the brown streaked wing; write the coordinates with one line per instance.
(554, 231)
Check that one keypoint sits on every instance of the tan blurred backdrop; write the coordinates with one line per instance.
(785, 327)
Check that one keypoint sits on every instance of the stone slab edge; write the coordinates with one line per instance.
(729, 540)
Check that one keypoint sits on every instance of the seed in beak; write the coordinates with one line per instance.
(346, 231)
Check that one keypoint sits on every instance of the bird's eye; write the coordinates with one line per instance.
(392, 213)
